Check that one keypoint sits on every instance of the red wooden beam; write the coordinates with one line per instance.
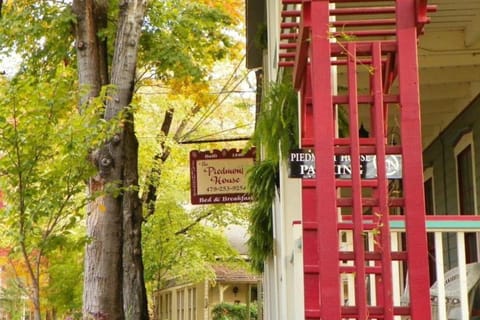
(287, 55)
(289, 25)
(348, 1)
(410, 127)
(364, 48)
(390, 98)
(284, 36)
(289, 45)
(363, 33)
(363, 23)
(327, 238)
(291, 13)
(299, 69)
(382, 216)
(421, 11)
(286, 64)
(357, 200)
(362, 11)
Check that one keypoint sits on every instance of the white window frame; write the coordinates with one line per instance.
(427, 175)
(465, 141)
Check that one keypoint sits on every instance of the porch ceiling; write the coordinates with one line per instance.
(449, 59)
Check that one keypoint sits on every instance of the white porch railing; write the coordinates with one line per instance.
(453, 292)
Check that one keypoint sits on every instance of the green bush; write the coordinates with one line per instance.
(228, 311)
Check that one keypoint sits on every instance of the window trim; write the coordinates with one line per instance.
(428, 175)
(464, 142)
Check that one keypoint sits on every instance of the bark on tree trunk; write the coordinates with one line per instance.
(113, 287)
(88, 47)
(134, 293)
(123, 76)
(102, 297)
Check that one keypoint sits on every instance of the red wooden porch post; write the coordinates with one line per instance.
(412, 160)
(324, 135)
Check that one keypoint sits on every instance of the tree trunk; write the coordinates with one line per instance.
(114, 286)
(102, 295)
(123, 76)
(134, 293)
(90, 52)
(102, 298)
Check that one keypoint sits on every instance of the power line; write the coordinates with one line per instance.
(215, 140)
(214, 105)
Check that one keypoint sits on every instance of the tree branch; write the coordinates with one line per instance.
(194, 223)
(150, 197)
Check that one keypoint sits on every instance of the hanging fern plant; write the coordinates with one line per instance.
(276, 133)
(262, 182)
(277, 124)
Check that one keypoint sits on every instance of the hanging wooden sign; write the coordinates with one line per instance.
(220, 176)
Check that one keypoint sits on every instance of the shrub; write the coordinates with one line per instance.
(228, 311)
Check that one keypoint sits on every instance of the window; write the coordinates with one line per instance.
(466, 193)
(430, 210)
(181, 305)
(168, 305)
(192, 303)
(464, 155)
(161, 308)
(429, 191)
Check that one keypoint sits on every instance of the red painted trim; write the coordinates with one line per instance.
(385, 290)
(320, 201)
(291, 13)
(357, 200)
(288, 25)
(364, 23)
(289, 45)
(364, 33)
(365, 48)
(326, 210)
(416, 239)
(362, 10)
(303, 44)
(366, 99)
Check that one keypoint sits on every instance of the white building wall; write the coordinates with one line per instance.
(283, 275)
(289, 213)
(283, 293)
(273, 21)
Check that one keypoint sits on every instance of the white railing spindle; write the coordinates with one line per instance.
(441, 305)
(462, 271)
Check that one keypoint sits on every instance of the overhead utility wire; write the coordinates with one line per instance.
(223, 131)
(214, 105)
(219, 104)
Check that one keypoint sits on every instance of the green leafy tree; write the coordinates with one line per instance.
(117, 46)
(42, 139)
(65, 274)
(184, 250)
(182, 242)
